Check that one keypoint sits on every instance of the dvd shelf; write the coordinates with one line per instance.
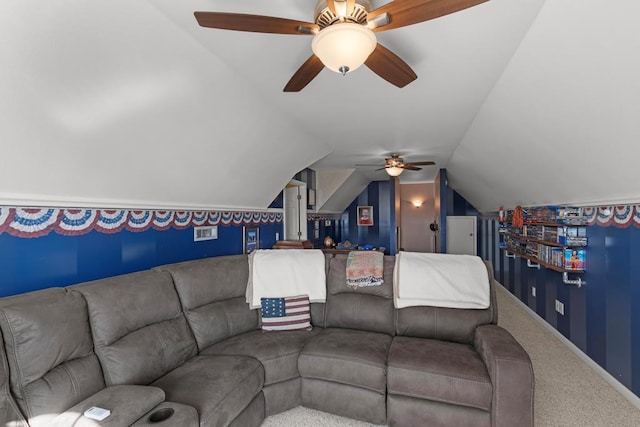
(554, 237)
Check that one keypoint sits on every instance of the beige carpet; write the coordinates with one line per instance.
(568, 391)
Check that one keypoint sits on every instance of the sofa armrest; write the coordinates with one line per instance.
(511, 374)
(179, 415)
(127, 404)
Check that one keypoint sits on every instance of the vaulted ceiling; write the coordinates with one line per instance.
(132, 104)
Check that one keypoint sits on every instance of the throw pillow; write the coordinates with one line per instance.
(286, 314)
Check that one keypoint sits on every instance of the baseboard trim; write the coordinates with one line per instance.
(610, 379)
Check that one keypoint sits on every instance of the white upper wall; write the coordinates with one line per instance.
(562, 123)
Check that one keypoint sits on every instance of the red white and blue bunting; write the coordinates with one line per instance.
(618, 216)
(36, 222)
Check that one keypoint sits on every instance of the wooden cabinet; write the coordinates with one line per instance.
(293, 244)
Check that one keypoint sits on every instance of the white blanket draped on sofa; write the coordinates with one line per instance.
(440, 280)
(278, 273)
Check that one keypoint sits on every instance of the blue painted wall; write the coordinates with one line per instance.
(453, 204)
(446, 207)
(28, 264)
(380, 195)
(327, 226)
(601, 318)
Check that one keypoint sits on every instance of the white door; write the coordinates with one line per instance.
(295, 211)
(461, 235)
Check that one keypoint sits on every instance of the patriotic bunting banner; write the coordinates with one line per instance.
(617, 216)
(33, 222)
(6, 217)
(621, 216)
(162, 220)
(139, 220)
(199, 218)
(111, 221)
(75, 221)
(36, 222)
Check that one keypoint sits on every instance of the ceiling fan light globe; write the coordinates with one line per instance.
(394, 170)
(344, 45)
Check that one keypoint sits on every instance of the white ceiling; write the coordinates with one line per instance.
(132, 104)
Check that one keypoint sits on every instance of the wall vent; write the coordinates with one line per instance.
(209, 232)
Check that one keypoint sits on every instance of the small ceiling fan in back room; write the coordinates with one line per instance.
(344, 34)
(395, 165)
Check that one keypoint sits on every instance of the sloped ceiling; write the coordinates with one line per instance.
(132, 104)
(108, 103)
(336, 189)
(562, 123)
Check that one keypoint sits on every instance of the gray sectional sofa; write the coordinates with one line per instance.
(178, 346)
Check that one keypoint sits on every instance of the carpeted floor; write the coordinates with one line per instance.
(568, 392)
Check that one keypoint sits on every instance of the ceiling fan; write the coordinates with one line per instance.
(395, 165)
(344, 35)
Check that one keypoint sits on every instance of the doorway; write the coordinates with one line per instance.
(461, 235)
(417, 211)
(295, 211)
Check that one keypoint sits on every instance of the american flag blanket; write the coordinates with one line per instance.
(284, 314)
(365, 268)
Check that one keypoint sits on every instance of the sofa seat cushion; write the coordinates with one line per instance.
(347, 356)
(277, 351)
(219, 387)
(345, 400)
(440, 371)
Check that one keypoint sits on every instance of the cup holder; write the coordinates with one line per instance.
(160, 415)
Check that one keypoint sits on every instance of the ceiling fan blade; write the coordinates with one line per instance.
(420, 164)
(254, 23)
(390, 67)
(411, 167)
(304, 75)
(409, 12)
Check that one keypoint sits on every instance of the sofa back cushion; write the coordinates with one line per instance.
(212, 294)
(139, 330)
(448, 324)
(368, 308)
(49, 350)
(317, 313)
